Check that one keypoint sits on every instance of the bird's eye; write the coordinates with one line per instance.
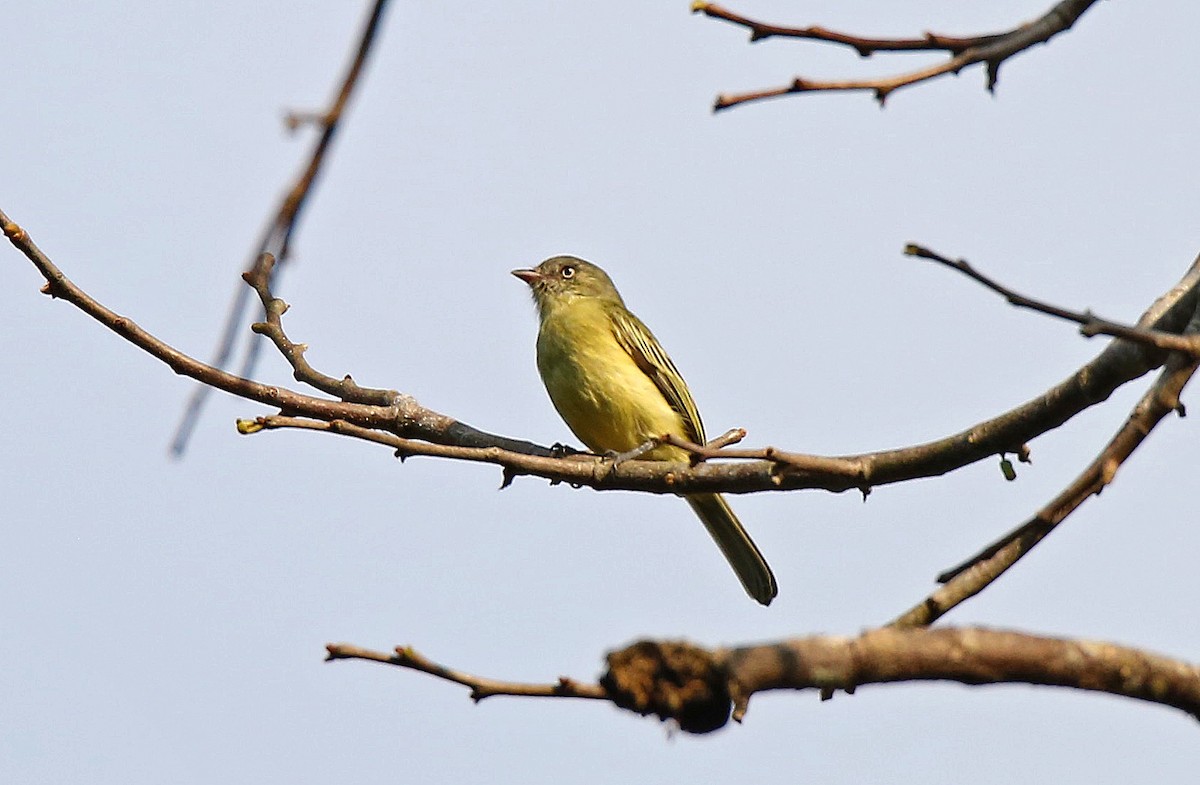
(568, 272)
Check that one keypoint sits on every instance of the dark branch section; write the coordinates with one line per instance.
(467, 436)
(671, 680)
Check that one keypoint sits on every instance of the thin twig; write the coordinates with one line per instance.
(991, 49)
(1090, 324)
(407, 657)
(259, 279)
(929, 42)
(276, 238)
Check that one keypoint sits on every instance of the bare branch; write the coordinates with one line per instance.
(991, 49)
(977, 573)
(423, 431)
(259, 279)
(701, 689)
(276, 238)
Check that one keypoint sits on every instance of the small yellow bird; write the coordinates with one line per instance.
(617, 389)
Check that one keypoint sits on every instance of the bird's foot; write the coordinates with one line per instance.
(619, 458)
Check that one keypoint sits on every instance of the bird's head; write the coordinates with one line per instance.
(562, 279)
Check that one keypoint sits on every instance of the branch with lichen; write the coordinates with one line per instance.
(991, 50)
(700, 689)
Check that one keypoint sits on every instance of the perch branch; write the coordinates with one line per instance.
(416, 430)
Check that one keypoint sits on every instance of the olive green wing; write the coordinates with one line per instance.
(650, 357)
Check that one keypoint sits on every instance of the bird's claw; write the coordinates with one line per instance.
(560, 450)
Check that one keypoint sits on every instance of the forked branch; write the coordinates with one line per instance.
(702, 689)
(991, 49)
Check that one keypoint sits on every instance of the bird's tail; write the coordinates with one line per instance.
(740, 551)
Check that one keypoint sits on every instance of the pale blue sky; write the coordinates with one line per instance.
(164, 621)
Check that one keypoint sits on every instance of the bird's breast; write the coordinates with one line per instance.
(597, 388)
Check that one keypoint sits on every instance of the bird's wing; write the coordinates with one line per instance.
(645, 350)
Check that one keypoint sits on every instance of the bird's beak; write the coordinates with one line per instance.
(527, 275)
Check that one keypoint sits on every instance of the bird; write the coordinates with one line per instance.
(617, 390)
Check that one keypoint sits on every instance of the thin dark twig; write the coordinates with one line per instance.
(929, 42)
(1090, 324)
(276, 238)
